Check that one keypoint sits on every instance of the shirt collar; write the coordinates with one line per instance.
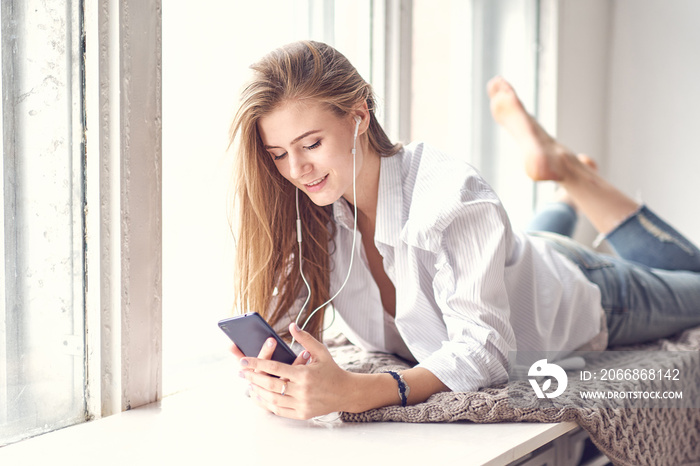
(389, 201)
(389, 204)
(342, 214)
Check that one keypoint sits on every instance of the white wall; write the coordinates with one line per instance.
(627, 86)
(654, 104)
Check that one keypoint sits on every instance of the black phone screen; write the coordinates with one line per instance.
(250, 331)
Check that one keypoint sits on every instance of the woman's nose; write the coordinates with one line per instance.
(298, 165)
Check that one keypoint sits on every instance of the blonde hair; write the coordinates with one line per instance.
(267, 250)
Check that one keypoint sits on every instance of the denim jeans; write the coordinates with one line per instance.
(650, 289)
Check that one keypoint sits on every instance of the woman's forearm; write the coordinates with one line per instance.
(377, 390)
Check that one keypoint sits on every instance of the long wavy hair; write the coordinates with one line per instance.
(267, 278)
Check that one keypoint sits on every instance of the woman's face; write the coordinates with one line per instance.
(312, 148)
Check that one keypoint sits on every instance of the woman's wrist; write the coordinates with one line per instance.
(404, 390)
(369, 391)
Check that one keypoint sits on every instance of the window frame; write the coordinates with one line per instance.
(124, 215)
(392, 62)
(3, 318)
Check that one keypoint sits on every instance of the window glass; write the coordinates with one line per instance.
(442, 109)
(42, 360)
(457, 47)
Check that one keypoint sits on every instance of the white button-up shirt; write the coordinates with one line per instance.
(468, 289)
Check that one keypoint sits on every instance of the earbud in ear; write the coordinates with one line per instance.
(358, 119)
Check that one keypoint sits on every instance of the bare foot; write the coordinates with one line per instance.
(544, 157)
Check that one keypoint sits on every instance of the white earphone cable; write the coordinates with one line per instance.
(301, 262)
(354, 239)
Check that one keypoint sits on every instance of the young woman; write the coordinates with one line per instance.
(439, 277)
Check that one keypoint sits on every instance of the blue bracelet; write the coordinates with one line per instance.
(404, 389)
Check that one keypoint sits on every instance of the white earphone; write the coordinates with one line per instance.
(358, 120)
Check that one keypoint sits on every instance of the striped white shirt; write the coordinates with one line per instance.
(468, 289)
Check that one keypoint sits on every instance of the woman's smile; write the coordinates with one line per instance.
(316, 185)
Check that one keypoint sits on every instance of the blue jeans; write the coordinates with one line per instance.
(650, 289)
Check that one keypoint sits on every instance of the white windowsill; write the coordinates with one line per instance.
(218, 425)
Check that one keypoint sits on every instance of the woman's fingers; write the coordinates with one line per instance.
(273, 394)
(274, 403)
(237, 352)
(307, 390)
(262, 380)
(267, 349)
(267, 366)
(303, 358)
(302, 390)
(306, 340)
(314, 351)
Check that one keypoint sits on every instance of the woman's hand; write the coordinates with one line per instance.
(265, 352)
(313, 385)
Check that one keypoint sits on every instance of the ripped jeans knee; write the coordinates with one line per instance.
(646, 239)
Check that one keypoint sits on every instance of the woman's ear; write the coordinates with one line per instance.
(358, 120)
(361, 113)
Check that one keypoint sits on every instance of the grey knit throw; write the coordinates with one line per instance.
(628, 436)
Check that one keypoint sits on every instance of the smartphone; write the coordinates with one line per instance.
(250, 331)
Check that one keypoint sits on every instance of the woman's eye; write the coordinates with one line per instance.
(315, 145)
(279, 157)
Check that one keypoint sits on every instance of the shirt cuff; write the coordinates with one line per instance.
(465, 371)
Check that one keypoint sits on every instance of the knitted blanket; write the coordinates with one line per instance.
(626, 434)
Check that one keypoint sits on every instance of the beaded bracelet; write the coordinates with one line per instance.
(404, 389)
